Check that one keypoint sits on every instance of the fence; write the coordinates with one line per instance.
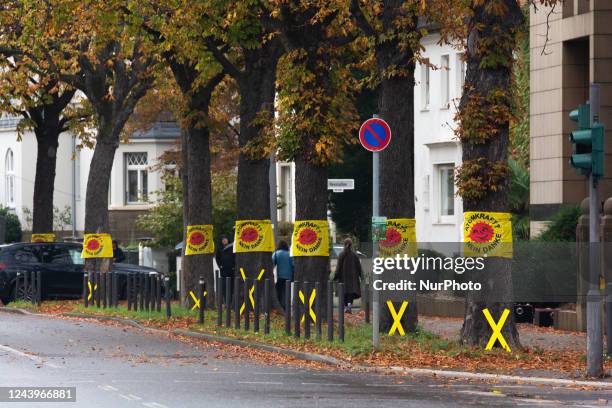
(28, 286)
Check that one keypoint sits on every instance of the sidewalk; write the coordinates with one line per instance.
(531, 336)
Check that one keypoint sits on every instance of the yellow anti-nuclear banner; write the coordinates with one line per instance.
(487, 233)
(49, 237)
(310, 238)
(199, 240)
(400, 238)
(254, 236)
(97, 246)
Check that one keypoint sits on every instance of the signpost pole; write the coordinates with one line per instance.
(375, 213)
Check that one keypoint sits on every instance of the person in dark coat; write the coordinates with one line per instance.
(226, 261)
(349, 272)
(118, 255)
(284, 270)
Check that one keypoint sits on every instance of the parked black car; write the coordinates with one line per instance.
(61, 267)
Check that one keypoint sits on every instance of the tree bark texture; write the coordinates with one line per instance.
(487, 27)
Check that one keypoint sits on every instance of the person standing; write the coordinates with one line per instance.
(284, 270)
(226, 261)
(349, 272)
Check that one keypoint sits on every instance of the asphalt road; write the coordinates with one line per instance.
(113, 366)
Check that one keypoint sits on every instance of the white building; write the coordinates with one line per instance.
(439, 211)
(132, 179)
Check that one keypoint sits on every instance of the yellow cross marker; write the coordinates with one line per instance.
(252, 290)
(397, 317)
(196, 301)
(91, 290)
(497, 335)
(311, 312)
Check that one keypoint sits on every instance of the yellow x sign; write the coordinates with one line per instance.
(196, 301)
(397, 317)
(91, 290)
(251, 291)
(497, 335)
(311, 312)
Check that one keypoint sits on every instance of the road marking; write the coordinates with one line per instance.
(108, 388)
(34, 358)
(483, 393)
(531, 401)
(323, 384)
(130, 397)
(388, 385)
(261, 382)
(154, 405)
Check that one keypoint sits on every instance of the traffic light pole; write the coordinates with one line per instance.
(594, 312)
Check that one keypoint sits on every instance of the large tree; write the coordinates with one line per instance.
(316, 102)
(255, 52)
(484, 120)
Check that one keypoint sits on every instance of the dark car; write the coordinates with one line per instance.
(61, 267)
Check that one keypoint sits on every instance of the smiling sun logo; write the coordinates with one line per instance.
(487, 233)
(310, 238)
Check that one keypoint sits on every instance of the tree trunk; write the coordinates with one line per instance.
(311, 198)
(47, 138)
(257, 88)
(397, 161)
(487, 28)
(96, 198)
(199, 207)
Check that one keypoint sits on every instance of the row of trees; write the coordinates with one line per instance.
(84, 66)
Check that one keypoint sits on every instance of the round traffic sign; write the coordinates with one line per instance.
(375, 134)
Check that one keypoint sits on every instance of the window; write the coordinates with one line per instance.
(54, 254)
(446, 191)
(9, 179)
(75, 255)
(461, 71)
(445, 74)
(425, 73)
(26, 255)
(136, 178)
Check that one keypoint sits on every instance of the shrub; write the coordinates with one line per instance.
(13, 226)
(562, 227)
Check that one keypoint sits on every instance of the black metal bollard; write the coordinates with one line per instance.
(26, 287)
(103, 288)
(366, 300)
(109, 289)
(115, 280)
(247, 319)
(85, 290)
(341, 312)
(98, 290)
(141, 284)
(307, 317)
(38, 287)
(167, 296)
(267, 306)
(228, 302)
(237, 303)
(288, 308)
(147, 297)
(219, 300)
(330, 311)
(33, 287)
(129, 292)
(158, 283)
(135, 281)
(256, 306)
(201, 298)
(318, 322)
(296, 310)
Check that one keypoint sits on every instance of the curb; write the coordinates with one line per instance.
(420, 372)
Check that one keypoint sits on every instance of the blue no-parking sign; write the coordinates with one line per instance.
(375, 134)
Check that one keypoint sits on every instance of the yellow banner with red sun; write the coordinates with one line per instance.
(400, 238)
(97, 246)
(199, 240)
(49, 237)
(254, 236)
(487, 233)
(310, 238)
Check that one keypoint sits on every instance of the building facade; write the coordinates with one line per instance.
(439, 83)
(134, 178)
(570, 48)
